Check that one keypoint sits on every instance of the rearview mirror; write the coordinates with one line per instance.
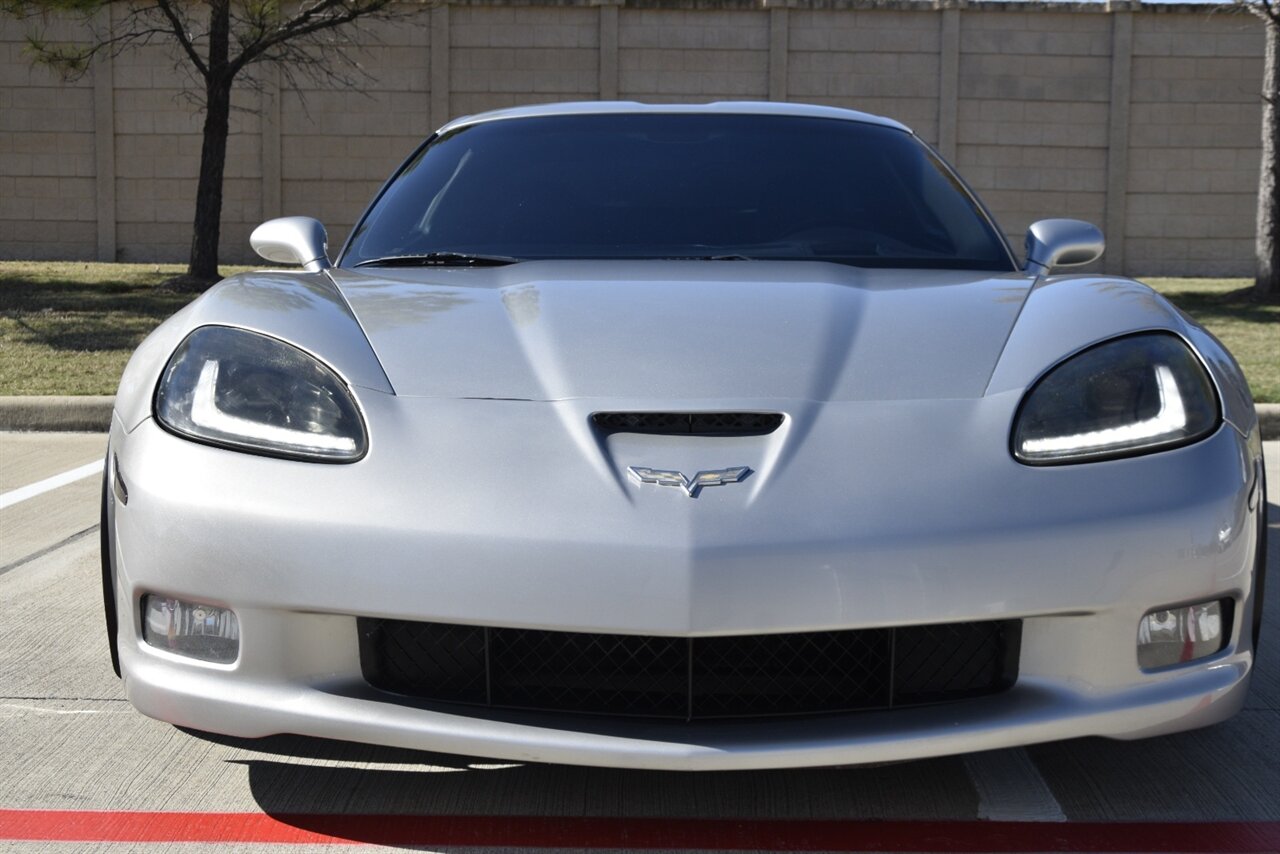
(292, 240)
(1062, 243)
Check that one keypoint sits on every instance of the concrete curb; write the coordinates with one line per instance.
(80, 414)
(93, 414)
(1269, 419)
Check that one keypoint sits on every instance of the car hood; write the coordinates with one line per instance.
(685, 330)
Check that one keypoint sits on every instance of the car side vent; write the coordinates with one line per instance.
(689, 423)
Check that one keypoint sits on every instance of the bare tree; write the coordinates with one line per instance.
(1266, 285)
(216, 41)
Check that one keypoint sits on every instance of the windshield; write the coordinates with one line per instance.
(676, 186)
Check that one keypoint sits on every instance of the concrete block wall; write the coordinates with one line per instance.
(47, 163)
(157, 142)
(503, 56)
(1034, 107)
(336, 146)
(1193, 145)
(1143, 119)
(884, 62)
(687, 56)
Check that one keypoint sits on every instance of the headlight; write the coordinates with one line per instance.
(246, 391)
(1123, 397)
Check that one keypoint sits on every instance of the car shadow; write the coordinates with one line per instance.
(66, 314)
(489, 803)
(405, 798)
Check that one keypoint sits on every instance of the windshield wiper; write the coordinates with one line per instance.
(729, 257)
(440, 259)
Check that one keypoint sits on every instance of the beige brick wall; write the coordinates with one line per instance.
(1037, 127)
(1035, 90)
(157, 158)
(502, 56)
(683, 56)
(337, 146)
(883, 62)
(1194, 145)
(46, 159)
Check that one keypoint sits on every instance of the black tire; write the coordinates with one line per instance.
(108, 570)
(1260, 559)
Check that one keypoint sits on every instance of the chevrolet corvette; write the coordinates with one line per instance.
(687, 437)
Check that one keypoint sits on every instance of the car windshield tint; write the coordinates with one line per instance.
(681, 186)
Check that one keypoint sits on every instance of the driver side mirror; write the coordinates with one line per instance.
(293, 240)
(1062, 243)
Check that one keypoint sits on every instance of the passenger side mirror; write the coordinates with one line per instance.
(1062, 243)
(293, 240)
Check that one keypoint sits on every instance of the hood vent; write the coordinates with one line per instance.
(689, 423)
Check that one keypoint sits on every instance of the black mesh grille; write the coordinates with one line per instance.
(588, 673)
(932, 663)
(449, 658)
(689, 678)
(790, 674)
(698, 423)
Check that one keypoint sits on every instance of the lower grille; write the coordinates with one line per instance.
(690, 678)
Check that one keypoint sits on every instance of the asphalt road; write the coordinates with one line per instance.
(77, 762)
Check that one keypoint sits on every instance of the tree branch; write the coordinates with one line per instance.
(1264, 9)
(73, 62)
(180, 33)
(309, 21)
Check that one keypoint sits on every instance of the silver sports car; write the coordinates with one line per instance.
(685, 437)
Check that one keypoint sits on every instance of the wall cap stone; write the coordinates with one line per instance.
(1105, 7)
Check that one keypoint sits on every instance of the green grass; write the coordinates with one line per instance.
(1251, 331)
(69, 327)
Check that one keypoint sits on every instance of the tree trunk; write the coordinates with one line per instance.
(203, 264)
(213, 158)
(1266, 286)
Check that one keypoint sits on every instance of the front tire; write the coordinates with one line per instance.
(1260, 560)
(108, 568)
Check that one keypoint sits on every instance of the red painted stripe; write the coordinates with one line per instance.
(640, 833)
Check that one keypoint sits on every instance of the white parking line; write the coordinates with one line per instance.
(40, 487)
(11, 710)
(1010, 788)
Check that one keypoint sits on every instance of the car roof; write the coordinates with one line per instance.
(751, 108)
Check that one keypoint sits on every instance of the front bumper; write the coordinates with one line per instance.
(1035, 710)
(422, 529)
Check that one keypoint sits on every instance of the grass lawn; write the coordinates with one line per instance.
(69, 327)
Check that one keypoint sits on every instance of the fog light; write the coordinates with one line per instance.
(194, 629)
(1176, 635)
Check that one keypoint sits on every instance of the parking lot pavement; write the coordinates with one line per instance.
(29, 461)
(26, 458)
(79, 764)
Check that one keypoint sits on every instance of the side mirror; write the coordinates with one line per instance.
(292, 240)
(1062, 243)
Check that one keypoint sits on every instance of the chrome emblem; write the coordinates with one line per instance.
(690, 485)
